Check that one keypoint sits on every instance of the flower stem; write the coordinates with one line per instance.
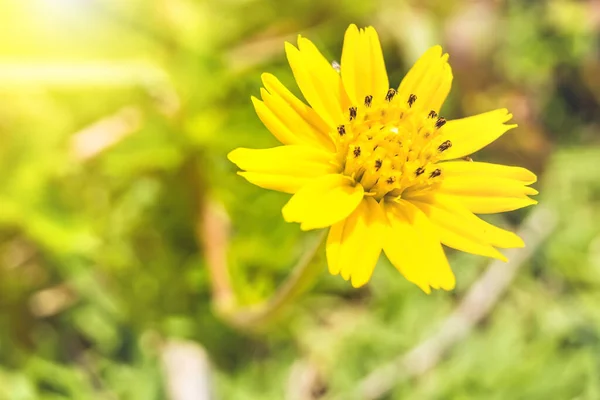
(301, 279)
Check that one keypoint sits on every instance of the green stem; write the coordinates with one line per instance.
(301, 279)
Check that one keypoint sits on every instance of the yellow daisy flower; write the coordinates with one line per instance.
(379, 166)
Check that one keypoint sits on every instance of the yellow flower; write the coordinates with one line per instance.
(380, 166)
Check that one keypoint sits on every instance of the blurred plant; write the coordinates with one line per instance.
(115, 121)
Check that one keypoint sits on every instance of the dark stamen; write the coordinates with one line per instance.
(341, 130)
(378, 164)
(390, 94)
(368, 100)
(411, 100)
(445, 146)
(352, 113)
(356, 152)
(419, 171)
(391, 180)
(432, 114)
(440, 122)
(436, 173)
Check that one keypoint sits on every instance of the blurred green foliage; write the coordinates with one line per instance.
(115, 121)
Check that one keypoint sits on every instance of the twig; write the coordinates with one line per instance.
(212, 231)
(105, 133)
(257, 51)
(477, 303)
(52, 301)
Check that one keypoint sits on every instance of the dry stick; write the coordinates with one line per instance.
(98, 137)
(187, 371)
(212, 232)
(478, 302)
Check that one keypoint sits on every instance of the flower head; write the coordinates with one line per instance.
(380, 166)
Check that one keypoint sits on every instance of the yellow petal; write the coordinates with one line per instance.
(300, 119)
(319, 83)
(458, 232)
(469, 168)
(354, 244)
(281, 183)
(485, 195)
(489, 233)
(485, 186)
(275, 87)
(274, 124)
(492, 205)
(363, 67)
(474, 133)
(323, 202)
(413, 247)
(430, 79)
(498, 237)
(285, 160)
(285, 168)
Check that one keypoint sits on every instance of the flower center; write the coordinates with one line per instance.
(390, 145)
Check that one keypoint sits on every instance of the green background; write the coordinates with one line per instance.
(115, 121)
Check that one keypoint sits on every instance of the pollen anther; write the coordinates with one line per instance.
(411, 100)
(390, 94)
(445, 146)
(352, 113)
(341, 130)
(440, 122)
(368, 101)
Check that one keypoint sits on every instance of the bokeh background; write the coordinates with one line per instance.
(125, 232)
